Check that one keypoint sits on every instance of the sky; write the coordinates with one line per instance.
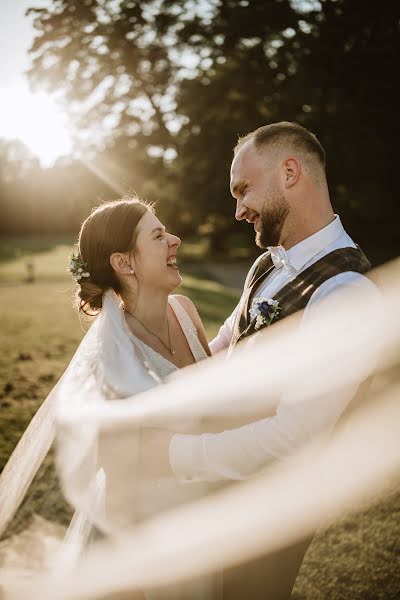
(31, 117)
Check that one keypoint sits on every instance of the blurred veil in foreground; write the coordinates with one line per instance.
(335, 472)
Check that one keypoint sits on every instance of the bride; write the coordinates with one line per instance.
(125, 269)
(123, 248)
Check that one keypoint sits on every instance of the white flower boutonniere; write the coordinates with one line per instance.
(264, 310)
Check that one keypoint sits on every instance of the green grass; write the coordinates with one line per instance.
(356, 558)
(353, 559)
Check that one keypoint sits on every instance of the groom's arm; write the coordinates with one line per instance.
(239, 453)
(224, 335)
(223, 338)
(242, 452)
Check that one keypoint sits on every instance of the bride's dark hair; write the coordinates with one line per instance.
(111, 227)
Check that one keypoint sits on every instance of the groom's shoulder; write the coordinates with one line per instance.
(346, 283)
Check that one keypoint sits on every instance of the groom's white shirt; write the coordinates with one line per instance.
(298, 258)
(241, 452)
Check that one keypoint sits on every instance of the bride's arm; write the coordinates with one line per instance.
(197, 322)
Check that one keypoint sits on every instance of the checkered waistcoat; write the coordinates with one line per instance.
(296, 294)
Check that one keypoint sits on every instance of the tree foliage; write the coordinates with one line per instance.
(164, 87)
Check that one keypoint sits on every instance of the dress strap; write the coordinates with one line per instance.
(188, 329)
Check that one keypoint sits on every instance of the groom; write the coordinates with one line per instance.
(279, 183)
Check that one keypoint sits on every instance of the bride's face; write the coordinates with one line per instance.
(155, 255)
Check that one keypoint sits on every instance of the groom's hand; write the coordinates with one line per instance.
(154, 454)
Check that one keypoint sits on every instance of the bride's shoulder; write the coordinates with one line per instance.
(187, 304)
(194, 316)
(191, 310)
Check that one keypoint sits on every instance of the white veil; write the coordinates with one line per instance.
(107, 365)
(323, 479)
(282, 504)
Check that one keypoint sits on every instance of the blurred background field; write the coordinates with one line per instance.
(355, 559)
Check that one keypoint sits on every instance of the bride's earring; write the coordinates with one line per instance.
(131, 271)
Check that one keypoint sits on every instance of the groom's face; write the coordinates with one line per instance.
(255, 184)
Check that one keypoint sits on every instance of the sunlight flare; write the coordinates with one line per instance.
(36, 120)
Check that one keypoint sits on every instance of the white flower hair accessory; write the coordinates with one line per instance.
(264, 311)
(77, 267)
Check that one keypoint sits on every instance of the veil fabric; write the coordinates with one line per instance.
(160, 551)
(107, 365)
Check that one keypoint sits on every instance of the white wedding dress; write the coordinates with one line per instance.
(111, 364)
(166, 493)
(160, 365)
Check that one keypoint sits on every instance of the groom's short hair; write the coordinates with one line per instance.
(290, 136)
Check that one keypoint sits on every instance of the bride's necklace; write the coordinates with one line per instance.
(169, 346)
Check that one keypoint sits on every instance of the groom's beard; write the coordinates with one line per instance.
(272, 220)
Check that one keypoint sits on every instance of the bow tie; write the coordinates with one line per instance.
(279, 257)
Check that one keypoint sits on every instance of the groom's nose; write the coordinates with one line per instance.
(241, 211)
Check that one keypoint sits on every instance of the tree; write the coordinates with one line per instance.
(16, 160)
(344, 87)
(16, 163)
(331, 69)
(121, 68)
(177, 82)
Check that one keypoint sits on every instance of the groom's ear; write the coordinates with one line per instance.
(291, 171)
(120, 263)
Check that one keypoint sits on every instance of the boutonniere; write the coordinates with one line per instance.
(264, 311)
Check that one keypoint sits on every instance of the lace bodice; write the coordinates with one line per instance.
(156, 362)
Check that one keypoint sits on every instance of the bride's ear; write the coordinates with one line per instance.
(120, 263)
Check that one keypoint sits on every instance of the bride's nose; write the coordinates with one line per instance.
(174, 241)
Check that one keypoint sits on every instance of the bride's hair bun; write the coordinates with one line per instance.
(90, 296)
(111, 227)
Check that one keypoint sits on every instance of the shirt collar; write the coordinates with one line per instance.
(296, 257)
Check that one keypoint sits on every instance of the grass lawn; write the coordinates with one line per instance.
(352, 559)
